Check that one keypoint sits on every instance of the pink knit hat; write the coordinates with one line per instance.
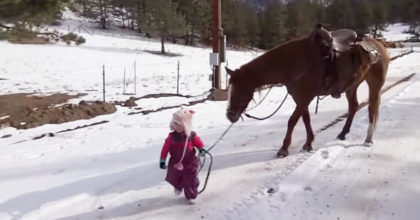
(182, 121)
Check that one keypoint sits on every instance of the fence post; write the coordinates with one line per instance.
(135, 77)
(177, 80)
(103, 82)
(124, 83)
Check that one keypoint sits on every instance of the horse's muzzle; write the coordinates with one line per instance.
(232, 116)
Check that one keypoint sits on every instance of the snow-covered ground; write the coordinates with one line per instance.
(396, 32)
(110, 171)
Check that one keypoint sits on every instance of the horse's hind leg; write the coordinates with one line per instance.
(375, 81)
(283, 152)
(309, 133)
(374, 101)
(353, 105)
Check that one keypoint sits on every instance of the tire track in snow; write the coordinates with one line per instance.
(273, 184)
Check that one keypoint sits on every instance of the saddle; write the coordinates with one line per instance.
(344, 39)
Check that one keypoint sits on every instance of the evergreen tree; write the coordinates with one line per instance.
(412, 17)
(26, 14)
(340, 14)
(239, 23)
(162, 18)
(21, 20)
(272, 22)
(363, 16)
(252, 26)
(197, 15)
(379, 17)
(303, 15)
(230, 18)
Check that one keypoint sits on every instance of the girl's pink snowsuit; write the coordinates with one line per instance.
(187, 178)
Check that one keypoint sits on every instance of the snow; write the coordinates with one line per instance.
(110, 171)
(395, 32)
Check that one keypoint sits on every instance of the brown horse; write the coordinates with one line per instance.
(303, 66)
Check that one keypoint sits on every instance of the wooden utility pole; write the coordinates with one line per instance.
(216, 33)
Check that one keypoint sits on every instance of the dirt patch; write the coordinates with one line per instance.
(24, 111)
(33, 40)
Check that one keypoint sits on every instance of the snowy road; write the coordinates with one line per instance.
(110, 171)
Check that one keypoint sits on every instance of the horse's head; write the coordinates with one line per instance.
(241, 91)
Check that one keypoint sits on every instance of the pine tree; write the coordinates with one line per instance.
(273, 27)
(302, 17)
(379, 17)
(251, 25)
(161, 18)
(363, 16)
(339, 14)
(197, 16)
(21, 20)
(412, 18)
(238, 23)
(29, 13)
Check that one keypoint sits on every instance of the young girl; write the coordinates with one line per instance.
(183, 163)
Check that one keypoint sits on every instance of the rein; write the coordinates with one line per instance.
(278, 108)
(211, 158)
(225, 132)
(317, 102)
(261, 99)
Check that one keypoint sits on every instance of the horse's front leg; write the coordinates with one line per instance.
(353, 105)
(283, 152)
(309, 133)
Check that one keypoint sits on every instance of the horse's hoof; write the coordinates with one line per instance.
(307, 147)
(341, 136)
(368, 144)
(282, 153)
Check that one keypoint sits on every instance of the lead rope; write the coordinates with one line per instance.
(317, 102)
(261, 99)
(211, 158)
(281, 104)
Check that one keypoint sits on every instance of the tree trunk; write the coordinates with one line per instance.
(84, 8)
(192, 35)
(123, 21)
(102, 9)
(375, 32)
(162, 41)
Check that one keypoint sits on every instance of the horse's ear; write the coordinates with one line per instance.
(229, 71)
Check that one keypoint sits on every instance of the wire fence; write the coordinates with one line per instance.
(135, 78)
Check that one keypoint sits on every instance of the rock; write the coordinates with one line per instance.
(271, 190)
(6, 136)
(131, 102)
